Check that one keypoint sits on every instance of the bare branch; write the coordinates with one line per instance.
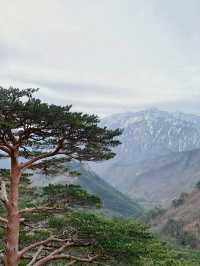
(40, 243)
(5, 149)
(3, 220)
(40, 209)
(43, 156)
(38, 158)
(59, 250)
(8, 146)
(54, 253)
(67, 256)
(34, 259)
(3, 193)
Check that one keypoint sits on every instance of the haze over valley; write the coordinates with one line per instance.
(159, 155)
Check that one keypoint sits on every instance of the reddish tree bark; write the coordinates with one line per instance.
(27, 122)
(13, 217)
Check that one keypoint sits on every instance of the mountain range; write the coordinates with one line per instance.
(159, 155)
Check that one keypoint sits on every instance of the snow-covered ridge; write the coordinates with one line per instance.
(158, 157)
(153, 132)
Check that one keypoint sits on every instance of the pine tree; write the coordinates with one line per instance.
(68, 230)
(37, 131)
(50, 225)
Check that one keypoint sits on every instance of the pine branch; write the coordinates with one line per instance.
(40, 209)
(89, 259)
(34, 259)
(40, 243)
(5, 149)
(43, 156)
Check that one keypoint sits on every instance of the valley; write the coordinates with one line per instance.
(158, 158)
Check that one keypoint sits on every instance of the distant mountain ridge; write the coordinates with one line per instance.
(155, 132)
(151, 162)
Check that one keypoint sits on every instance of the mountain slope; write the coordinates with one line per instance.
(158, 181)
(152, 132)
(159, 155)
(114, 201)
(181, 221)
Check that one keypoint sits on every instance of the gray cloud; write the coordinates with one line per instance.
(104, 56)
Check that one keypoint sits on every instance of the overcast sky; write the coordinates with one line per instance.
(104, 56)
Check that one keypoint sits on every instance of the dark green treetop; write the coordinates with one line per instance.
(40, 130)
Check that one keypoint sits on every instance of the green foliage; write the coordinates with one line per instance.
(27, 236)
(70, 195)
(36, 127)
(118, 241)
(114, 202)
(41, 130)
(198, 185)
(57, 222)
(123, 241)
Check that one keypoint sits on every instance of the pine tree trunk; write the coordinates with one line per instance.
(12, 242)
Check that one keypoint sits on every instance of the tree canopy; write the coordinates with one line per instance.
(64, 219)
(40, 130)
